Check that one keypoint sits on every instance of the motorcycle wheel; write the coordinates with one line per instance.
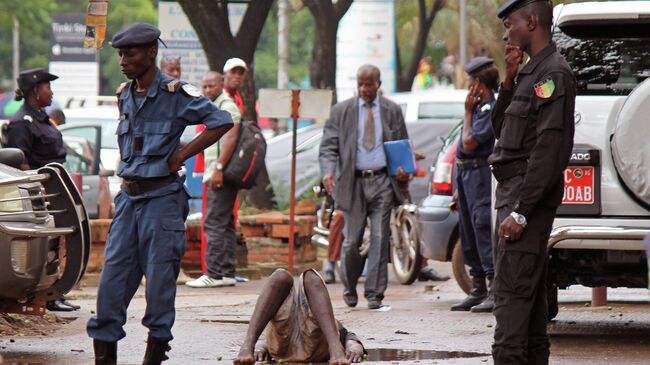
(461, 273)
(405, 249)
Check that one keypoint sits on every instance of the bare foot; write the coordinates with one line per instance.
(245, 357)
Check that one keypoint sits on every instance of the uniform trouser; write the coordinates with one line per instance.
(474, 208)
(373, 198)
(147, 236)
(520, 292)
(219, 227)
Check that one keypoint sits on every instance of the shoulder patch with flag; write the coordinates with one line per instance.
(544, 89)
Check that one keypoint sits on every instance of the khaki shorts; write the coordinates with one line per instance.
(294, 335)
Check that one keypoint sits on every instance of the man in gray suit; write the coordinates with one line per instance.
(353, 167)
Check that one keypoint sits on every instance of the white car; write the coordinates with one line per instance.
(440, 103)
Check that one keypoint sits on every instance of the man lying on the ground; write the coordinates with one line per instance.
(302, 327)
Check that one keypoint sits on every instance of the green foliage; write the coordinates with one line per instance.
(301, 30)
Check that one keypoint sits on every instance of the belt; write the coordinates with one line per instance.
(370, 173)
(471, 163)
(509, 170)
(138, 187)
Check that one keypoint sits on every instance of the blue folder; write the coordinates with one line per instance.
(399, 153)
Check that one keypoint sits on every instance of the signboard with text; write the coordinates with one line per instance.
(366, 34)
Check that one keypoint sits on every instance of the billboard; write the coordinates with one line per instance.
(366, 34)
(76, 66)
(181, 39)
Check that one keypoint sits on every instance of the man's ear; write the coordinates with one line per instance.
(532, 23)
(153, 52)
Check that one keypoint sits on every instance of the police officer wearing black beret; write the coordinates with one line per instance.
(534, 125)
(147, 236)
(31, 130)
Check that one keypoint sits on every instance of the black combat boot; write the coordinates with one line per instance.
(476, 295)
(155, 352)
(105, 352)
(487, 306)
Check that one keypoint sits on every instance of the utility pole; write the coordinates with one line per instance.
(16, 48)
(463, 32)
(283, 44)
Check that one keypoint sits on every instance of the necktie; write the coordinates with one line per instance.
(369, 129)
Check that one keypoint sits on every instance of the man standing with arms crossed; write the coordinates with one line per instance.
(147, 235)
(353, 167)
(534, 124)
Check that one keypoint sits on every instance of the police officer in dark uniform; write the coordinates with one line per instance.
(147, 236)
(31, 130)
(534, 125)
(474, 182)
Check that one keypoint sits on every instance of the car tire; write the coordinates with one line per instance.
(405, 253)
(461, 274)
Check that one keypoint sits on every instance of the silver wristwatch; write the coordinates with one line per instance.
(219, 166)
(519, 219)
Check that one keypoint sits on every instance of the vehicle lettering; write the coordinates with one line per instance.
(580, 156)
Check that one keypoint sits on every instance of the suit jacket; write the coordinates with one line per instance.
(338, 149)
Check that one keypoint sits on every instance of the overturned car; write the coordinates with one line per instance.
(44, 235)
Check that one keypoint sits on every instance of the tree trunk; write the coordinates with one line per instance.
(322, 66)
(426, 18)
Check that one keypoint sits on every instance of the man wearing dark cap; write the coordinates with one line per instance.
(534, 125)
(147, 236)
(474, 181)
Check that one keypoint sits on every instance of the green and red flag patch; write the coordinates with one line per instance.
(544, 89)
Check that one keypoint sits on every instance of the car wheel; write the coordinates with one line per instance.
(405, 248)
(461, 274)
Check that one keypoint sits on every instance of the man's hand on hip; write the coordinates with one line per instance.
(175, 162)
(329, 183)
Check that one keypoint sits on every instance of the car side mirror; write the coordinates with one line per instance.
(12, 157)
(106, 173)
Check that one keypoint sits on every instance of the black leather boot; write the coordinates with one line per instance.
(487, 306)
(105, 352)
(476, 295)
(155, 353)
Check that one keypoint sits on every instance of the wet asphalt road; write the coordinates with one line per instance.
(211, 323)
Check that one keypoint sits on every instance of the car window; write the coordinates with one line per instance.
(441, 110)
(78, 156)
(109, 126)
(606, 59)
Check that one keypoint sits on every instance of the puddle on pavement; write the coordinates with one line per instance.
(403, 355)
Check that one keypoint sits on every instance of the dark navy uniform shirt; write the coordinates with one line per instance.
(149, 133)
(534, 122)
(32, 132)
(481, 132)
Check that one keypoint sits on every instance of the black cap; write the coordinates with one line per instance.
(30, 78)
(513, 5)
(477, 63)
(136, 35)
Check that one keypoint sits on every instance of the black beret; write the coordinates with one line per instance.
(136, 35)
(30, 78)
(513, 5)
(477, 63)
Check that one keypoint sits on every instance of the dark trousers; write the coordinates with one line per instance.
(474, 208)
(219, 227)
(373, 198)
(520, 292)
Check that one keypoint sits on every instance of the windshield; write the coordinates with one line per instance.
(441, 110)
(606, 59)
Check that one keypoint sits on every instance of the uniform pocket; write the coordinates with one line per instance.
(124, 140)
(157, 137)
(515, 125)
(170, 241)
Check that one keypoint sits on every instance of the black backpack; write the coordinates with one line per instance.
(248, 158)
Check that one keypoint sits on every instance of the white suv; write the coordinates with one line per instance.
(598, 233)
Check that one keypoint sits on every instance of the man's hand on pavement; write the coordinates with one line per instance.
(510, 230)
(353, 351)
(329, 183)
